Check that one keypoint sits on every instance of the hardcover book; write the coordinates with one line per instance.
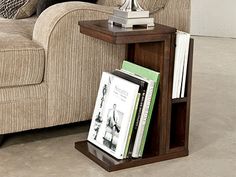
(180, 65)
(154, 78)
(113, 114)
(143, 85)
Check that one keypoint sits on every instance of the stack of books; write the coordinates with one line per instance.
(123, 110)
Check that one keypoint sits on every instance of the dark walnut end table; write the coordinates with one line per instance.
(168, 133)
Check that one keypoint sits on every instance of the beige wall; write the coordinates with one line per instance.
(214, 18)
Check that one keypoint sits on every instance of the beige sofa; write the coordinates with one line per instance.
(49, 72)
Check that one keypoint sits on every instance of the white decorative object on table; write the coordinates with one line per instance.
(131, 14)
(131, 5)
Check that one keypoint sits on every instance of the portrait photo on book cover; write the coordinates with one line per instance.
(98, 119)
(112, 129)
(112, 114)
(108, 130)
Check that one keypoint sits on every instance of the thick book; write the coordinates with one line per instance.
(152, 76)
(180, 64)
(142, 90)
(113, 114)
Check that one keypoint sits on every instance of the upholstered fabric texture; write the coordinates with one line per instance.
(73, 70)
(21, 61)
(174, 13)
(8, 8)
(147, 5)
(23, 108)
(27, 10)
(56, 75)
(44, 4)
(22, 27)
(22, 93)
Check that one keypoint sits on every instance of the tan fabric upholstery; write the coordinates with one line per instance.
(110, 2)
(22, 27)
(146, 4)
(21, 59)
(28, 9)
(22, 108)
(176, 13)
(72, 67)
(74, 61)
(21, 63)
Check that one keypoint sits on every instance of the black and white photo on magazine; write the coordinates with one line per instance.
(113, 125)
(98, 120)
(112, 114)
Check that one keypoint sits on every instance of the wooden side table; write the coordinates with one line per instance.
(168, 133)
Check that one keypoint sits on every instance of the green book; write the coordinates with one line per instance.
(150, 75)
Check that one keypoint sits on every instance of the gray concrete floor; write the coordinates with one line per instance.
(51, 153)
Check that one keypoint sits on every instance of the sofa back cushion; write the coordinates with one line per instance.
(150, 5)
(110, 2)
(44, 4)
(27, 10)
(8, 8)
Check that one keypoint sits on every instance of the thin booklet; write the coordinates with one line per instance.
(113, 113)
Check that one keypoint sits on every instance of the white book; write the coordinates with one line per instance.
(185, 65)
(176, 66)
(138, 140)
(113, 114)
(180, 64)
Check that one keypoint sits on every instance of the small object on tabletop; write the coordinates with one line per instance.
(131, 14)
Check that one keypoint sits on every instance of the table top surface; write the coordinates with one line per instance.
(105, 27)
(101, 29)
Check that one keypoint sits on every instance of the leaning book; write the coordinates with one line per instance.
(113, 113)
(153, 78)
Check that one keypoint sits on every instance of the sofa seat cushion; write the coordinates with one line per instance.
(21, 59)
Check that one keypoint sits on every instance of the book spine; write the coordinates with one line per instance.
(142, 122)
(185, 65)
(136, 125)
(132, 124)
(153, 98)
(176, 66)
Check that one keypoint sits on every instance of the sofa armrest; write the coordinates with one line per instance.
(74, 62)
(49, 19)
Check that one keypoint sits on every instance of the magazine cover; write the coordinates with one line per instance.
(113, 114)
